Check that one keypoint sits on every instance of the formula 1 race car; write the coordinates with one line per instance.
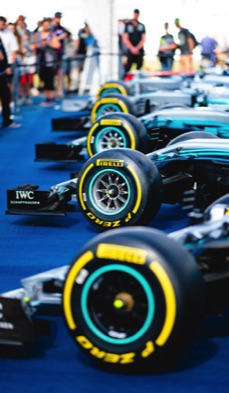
(122, 187)
(144, 93)
(147, 133)
(133, 298)
(140, 82)
(172, 110)
(115, 96)
(216, 97)
(143, 81)
(138, 105)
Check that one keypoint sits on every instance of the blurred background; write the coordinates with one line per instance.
(199, 16)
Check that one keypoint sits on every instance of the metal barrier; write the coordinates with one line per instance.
(90, 79)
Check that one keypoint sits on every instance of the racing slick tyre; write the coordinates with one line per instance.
(112, 103)
(117, 130)
(114, 87)
(119, 187)
(192, 135)
(133, 300)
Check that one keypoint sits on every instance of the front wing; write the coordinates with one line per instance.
(19, 307)
(51, 151)
(28, 200)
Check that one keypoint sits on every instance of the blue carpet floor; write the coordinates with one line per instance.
(29, 245)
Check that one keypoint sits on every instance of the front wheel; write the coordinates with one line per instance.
(112, 103)
(117, 130)
(133, 298)
(119, 187)
(114, 87)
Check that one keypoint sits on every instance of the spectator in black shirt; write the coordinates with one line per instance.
(134, 38)
(186, 45)
(81, 50)
(61, 33)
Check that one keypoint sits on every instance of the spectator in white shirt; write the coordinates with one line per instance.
(9, 41)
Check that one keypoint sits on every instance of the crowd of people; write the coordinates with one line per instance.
(187, 42)
(132, 37)
(49, 53)
(46, 53)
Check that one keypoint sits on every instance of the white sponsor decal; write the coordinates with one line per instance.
(24, 194)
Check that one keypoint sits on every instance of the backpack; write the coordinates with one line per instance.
(195, 42)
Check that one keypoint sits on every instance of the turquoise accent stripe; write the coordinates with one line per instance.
(218, 100)
(109, 90)
(150, 302)
(198, 152)
(195, 153)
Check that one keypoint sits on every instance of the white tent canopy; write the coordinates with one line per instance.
(101, 17)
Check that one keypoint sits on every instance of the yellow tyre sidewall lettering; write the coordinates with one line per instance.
(121, 253)
(107, 357)
(110, 122)
(131, 135)
(80, 193)
(170, 302)
(93, 128)
(148, 350)
(121, 89)
(139, 189)
(69, 283)
(107, 100)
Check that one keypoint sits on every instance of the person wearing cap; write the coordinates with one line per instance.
(134, 38)
(61, 33)
(186, 47)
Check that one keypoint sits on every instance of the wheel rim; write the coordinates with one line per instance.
(110, 90)
(109, 192)
(107, 108)
(118, 304)
(109, 138)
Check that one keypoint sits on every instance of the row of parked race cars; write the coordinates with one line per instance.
(134, 297)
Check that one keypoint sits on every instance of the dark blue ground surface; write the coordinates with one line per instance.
(29, 245)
